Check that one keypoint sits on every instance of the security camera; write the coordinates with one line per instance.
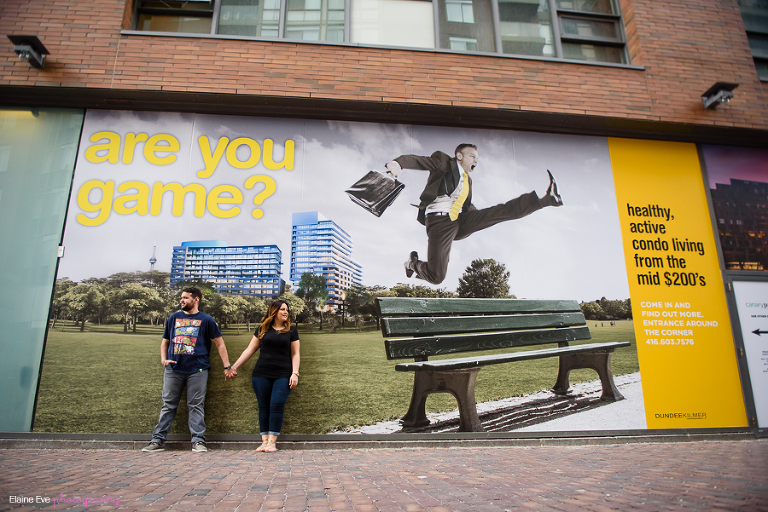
(721, 92)
(713, 101)
(30, 49)
(28, 54)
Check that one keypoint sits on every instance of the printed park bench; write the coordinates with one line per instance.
(419, 328)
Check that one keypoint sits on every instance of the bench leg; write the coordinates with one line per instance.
(459, 383)
(599, 361)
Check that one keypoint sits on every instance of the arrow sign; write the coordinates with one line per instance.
(759, 332)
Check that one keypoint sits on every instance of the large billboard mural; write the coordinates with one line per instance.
(684, 337)
(155, 194)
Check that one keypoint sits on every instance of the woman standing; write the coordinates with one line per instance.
(276, 372)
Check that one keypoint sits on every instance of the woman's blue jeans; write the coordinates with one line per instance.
(271, 395)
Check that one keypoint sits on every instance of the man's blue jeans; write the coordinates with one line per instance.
(173, 385)
(271, 395)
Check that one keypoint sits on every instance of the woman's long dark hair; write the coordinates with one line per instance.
(269, 318)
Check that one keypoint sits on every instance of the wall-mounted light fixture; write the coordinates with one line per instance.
(721, 92)
(30, 49)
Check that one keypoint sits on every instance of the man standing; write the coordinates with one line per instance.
(184, 355)
(446, 208)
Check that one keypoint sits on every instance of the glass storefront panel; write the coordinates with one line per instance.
(37, 158)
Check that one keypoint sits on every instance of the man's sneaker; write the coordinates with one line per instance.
(153, 447)
(199, 447)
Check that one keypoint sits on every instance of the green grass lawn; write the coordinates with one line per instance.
(103, 380)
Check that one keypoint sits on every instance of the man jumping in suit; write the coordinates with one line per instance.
(446, 206)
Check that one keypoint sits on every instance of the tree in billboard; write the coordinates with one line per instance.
(84, 301)
(153, 279)
(592, 310)
(358, 302)
(170, 304)
(254, 309)
(406, 290)
(605, 309)
(614, 309)
(375, 292)
(59, 307)
(227, 308)
(101, 285)
(484, 278)
(156, 279)
(134, 299)
(295, 305)
(312, 290)
(357, 299)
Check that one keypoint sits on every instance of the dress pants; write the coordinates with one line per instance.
(442, 231)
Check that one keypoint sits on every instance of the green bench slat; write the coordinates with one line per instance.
(430, 346)
(426, 326)
(474, 362)
(412, 306)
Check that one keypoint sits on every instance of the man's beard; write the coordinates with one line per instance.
(187, 307)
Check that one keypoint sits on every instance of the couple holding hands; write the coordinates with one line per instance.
(187, 341)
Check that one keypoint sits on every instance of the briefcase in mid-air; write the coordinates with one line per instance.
(375, 191)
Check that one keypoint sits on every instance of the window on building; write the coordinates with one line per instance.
(466, 25)
(259, 18)
(589, 30)
(191, 16)
(459, 11)
(315, 20)
(755, 16)
(404, 23)
(526, 27)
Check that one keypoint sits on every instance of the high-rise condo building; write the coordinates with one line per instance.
(322, 247)
(241, 270)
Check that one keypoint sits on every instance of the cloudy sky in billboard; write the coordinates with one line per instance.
(724, 163)
(572, 252)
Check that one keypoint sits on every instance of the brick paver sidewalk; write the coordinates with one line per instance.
(720, 475)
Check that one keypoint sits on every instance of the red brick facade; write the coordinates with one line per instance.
(683, 46)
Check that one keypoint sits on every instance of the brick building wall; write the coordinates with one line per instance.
(683, 46)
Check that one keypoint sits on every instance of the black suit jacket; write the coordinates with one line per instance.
(443, 178)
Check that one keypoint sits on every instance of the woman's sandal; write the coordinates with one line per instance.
(263, 446)
(271, 446)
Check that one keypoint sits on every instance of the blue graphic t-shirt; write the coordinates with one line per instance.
(190, 340)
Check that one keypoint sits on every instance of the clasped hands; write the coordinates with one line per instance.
(230, 374)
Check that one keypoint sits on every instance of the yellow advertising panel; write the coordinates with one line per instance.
(684, 339)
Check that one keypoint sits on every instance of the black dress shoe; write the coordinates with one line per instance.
(410, 264)
(552, 197)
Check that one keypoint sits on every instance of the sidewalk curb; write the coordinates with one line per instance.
(56, 441)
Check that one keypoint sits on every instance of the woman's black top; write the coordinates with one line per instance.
(275, 354)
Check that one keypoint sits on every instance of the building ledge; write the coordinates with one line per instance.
(377, 111)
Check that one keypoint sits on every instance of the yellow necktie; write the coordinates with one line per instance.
(453, 214)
